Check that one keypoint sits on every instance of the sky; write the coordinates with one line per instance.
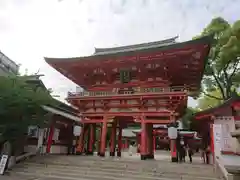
(33, 29)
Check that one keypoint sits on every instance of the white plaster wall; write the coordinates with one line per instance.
(58, 149)
(151, 109)
(30, 148)
(55, 149)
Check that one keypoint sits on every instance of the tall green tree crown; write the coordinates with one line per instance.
(222, 71)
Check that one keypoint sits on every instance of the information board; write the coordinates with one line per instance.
(3, 163)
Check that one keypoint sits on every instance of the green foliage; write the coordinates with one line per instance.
(188, 116)
(20, 106)
(222, 72)
(206, 102)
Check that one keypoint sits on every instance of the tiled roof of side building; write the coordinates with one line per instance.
(234, 98)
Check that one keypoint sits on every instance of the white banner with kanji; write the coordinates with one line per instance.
(217, 134)
(227, 126)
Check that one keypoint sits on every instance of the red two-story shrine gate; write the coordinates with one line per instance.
(145, 83)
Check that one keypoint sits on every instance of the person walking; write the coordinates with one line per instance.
(130, 149)
(181, 153)
(184, 154)
(190, 153)
(207, 153)
(202, 152)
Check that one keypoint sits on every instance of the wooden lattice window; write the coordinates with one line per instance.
(125, 76)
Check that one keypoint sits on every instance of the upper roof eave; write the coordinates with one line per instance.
(205, 39)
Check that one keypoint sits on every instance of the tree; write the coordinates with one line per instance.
(187, 117)
(222, 71)
(206, 102)
(21, 106)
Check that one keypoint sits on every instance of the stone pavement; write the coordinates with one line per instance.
(59, 167)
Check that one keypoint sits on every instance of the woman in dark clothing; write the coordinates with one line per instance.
(181, 154)
(190, 153)
(184, 154)
(207, 152)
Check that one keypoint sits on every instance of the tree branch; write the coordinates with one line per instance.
(219, 84)
(211, 96)
(234, 70)
(229, 79)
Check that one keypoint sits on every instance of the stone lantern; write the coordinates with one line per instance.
(235, 170)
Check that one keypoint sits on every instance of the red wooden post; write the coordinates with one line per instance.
(99, 141)
(143, 140)
(154, 142)
(91, 140)
(80, 143)
(212, 143)
(50, 138)
(119, 141)
(113, 138)
(103, 138)
(150, 141)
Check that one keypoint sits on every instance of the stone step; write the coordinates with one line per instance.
(112, 162)
(116, 169)
(108, 175)
(53, 167)
(113, 172)
(86, 177)
(135, 165)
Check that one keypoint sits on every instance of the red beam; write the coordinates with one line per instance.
(92, 121)
(205, 116)
(155, 121)
(146, 113)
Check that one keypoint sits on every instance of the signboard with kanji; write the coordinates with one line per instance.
(3, 163)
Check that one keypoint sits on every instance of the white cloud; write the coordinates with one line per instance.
(32, 29)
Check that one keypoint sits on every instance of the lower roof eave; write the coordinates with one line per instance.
(61, 113)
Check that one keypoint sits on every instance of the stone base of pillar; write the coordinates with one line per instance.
(78, 153)
(112, 153)
(144, 157)
(90, 153)
(101, 154)
(174, 159)
(119, 154)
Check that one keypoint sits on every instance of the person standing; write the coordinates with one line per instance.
(190, 153)
(207, 153)
(202, 152)
(184, 154)
(181, 153)
(130, 149)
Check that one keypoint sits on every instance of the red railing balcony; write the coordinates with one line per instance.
(136, 91)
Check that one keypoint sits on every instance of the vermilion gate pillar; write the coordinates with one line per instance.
(119, 141)
(103, 138)
(113, 138)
